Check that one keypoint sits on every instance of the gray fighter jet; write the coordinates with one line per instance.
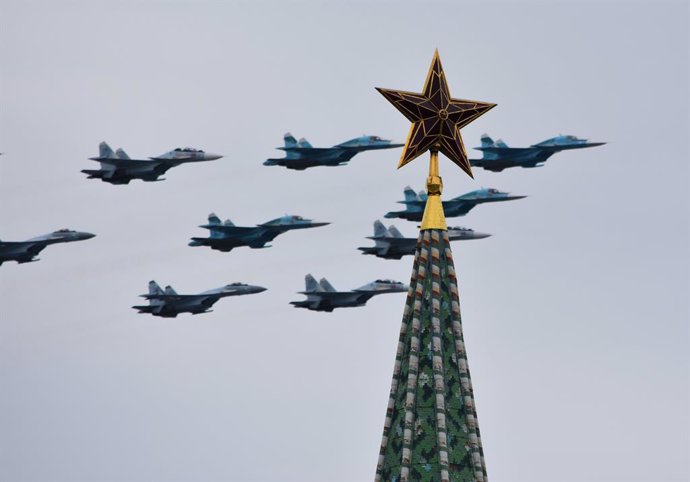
(321, 296)
(497, 156)
(457, 206)
(168, 304)
(225, 236)
(26, 251)
(118, 168)
(391, 244)
(300, 155)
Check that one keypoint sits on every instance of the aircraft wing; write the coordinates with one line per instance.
(505, 150)
(127, 163)
(164, 297)
(236, 230)
(28, 247)
(309, 150)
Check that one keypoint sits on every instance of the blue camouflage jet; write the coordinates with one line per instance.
(497, 156)
(322, 296)
(118, 168)
(26, 251)
(300, 155)
(391, 244)
(168, 303)
(225, 235)
(458, 206)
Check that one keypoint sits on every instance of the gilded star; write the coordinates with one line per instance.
(436, 118)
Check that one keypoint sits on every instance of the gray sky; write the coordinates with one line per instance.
(575, 311)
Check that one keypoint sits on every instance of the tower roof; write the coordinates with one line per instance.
(431, 431)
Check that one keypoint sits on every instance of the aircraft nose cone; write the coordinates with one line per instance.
(259, 289)
(87, 235)
(479, 235)
(212, 157)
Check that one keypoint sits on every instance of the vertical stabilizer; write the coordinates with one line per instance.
(289, 140)
(380, 230)
(310, 283)
(121, 154)
(410, 195)
(394, 233)
(326, 286)
(105, 152)
(170, 291)
(154, 289)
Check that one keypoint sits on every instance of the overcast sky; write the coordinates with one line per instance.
(575, 311)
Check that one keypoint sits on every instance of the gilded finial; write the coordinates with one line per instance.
(436, 122)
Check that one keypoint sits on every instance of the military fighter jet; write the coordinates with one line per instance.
(225, 236)
(321, 296)
(118, 168)
(497, 156)
(391, 244)
(301, 154)
(458, 206)
(168, 304)
(26, 251)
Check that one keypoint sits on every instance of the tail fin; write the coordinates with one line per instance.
(500, 143)
(303, 143)
(213, 219)
(410, 195)
(227, 222)
(154, 289)
(170, 291)
(487, 141)
(290, 140)
(325, 285)
(379, 229)
(105, 151)
(393, 231)
(311, 283)
(121, 154)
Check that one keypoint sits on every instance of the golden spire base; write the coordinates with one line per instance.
(434, 218)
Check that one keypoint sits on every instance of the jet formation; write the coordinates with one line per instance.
(300, 155)
(225, 236)
(26, 251)
(497, 156)
(118, 168)
(391, 244)
(168, 303)
(322, 296)
(457, 206)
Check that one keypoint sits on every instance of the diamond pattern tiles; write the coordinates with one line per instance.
(431, 433)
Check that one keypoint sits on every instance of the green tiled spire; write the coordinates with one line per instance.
(431, 433)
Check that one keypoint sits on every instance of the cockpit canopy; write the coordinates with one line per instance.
(237, 284)
(64, 231)
(188, 149)
(388, 281)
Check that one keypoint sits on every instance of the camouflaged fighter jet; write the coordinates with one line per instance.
(300, 155)
(321, 296)
(168, 304)
(497, 156)
(391, 244)
(26, 251)
(118, 168)
(225, 236)
(458, 206)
